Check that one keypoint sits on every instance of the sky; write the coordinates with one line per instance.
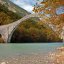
(28, 5)
(60, 10)
(25, 4)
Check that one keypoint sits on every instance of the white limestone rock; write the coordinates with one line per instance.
(3, 63)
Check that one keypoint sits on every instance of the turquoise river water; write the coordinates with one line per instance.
(19, 49)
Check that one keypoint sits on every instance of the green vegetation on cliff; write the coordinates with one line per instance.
(7, 16)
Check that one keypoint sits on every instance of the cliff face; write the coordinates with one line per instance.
(14, 8)
(9, 12)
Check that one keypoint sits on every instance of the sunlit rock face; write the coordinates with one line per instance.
(9, 5)
(2, 2)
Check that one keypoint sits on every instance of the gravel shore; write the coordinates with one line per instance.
(24, 59)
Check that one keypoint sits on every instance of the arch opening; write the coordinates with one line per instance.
(32, 31)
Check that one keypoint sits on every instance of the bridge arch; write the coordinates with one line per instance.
(12, 26)
(21, 20)
(7, 30)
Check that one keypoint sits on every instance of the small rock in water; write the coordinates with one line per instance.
(3, 63)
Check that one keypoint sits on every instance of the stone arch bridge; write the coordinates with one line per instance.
(7, 30)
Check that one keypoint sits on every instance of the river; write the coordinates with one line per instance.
(19, 49)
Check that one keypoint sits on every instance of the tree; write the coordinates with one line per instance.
(49, 7)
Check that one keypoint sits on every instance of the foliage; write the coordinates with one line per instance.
(50, 7)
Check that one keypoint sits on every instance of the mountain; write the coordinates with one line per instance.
(13, 12)
(14, 8)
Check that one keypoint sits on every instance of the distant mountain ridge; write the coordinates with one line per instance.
(14, 8)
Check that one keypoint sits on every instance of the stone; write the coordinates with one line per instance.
(3, 63)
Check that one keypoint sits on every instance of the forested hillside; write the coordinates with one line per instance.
(7, 16)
